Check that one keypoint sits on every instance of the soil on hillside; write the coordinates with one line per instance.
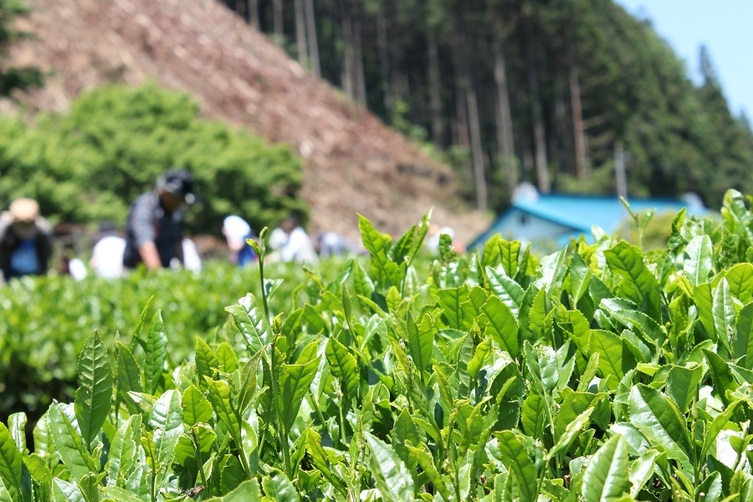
(353, 163)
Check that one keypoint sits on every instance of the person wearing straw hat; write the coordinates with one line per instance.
(25, 240)
(154, 227)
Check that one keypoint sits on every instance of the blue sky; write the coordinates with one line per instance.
(724, 27)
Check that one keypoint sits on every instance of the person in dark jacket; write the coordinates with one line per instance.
(154, 227)
(25, 240)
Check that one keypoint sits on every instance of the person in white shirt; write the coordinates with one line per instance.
(298, 246)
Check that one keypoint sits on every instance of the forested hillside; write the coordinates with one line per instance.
(544, 91)
(351, 162)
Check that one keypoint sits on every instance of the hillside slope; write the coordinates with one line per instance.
(353, 163)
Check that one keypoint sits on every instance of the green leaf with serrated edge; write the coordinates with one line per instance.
(610, 349)
(716, 426)
(155, 350)
(405, 431)
(506, 289)
(491, 256)
(38, 469)
(740, 279)
(703, 298)
(552, 270)
(166, 420)
(250, 321)
(721, 375)
(572, 431)
(637, 281)
(318, 457)
(129, 372)
(247, 388)
(362, 284)
(65, 491)
(383, 270)
(5, 495)
(394, 299)
(227, 358)
(516, 459)
(480, 355)
(196, 408)
(94, 394)
(533, 415)
(11, 463)
(580, 277)
(295, 382)
(501, 325)
(89, 486)
(743, 341)
(122, 457)
(683, 384)
(140, 324)
(206, 360)
(344, 366)
(17, 427)
(537, 314)
(67, 441)
(712, 489)
(420, 343)
(390, 474)
(641, 470)
(420, 452)
(451, 300)
(509, 256)
(279, 487)
(652, 332)
(723, 312)
(119, 494)
(573, 405)
(248, 490)
(220, 397)
(417, 235)
(698, 262)
(231, 474)
(606, 475)
(589, 373)
(660, 421)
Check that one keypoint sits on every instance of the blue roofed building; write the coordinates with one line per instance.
(556, 218)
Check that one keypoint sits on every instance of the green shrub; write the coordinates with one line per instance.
(92, 162)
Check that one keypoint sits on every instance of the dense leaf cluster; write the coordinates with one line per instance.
(90, 163)
(597, 372)
(534, 90)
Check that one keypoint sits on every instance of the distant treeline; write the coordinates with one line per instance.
(525, 90)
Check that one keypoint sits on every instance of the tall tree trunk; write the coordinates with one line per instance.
(300, 33)
(348, 72)
(435, 89)
(313, 40)
(503, 115)
(359, 77)
(253, 14)
(385, 62)
(468, 110)
(579, 131)
(537, 117)
(277, 12)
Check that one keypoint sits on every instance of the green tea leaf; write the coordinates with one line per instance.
(660, 421)
(122, 457)
(425, 459)
(251, 322)
(516, 459)
(294, 384)
(167, 422)
(606, 476)
(506, 289)
(68, 442)
(11, 464)
(93, 396)
(638, 283)
(129, 372)
(390, 474)
(156, 353)
(740, 279)
(420, 343)
(196, 408)
(743, 341)
(344, 366)
(501, 325)
(383, 270)
(683, 384)
(699, 259)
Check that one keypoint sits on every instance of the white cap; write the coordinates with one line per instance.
(235, 229)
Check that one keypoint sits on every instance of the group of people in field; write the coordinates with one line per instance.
(153, 237)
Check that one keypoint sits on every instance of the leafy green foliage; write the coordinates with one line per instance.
(92, 162)
(600, 374)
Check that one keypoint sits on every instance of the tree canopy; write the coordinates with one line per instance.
(525, 90)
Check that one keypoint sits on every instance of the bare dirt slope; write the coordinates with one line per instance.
(353, 163)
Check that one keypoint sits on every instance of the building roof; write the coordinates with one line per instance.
(580, 213)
